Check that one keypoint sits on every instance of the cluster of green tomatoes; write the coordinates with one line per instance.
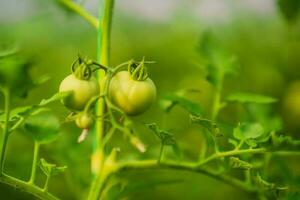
(131, 90)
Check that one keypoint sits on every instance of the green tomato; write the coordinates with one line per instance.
(82, 91)
(132, 96)
(84, 121)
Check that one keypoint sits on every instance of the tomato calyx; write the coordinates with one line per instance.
(83, 68)
(138, 70)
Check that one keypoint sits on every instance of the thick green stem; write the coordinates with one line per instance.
(5, 135)
(103, 48)
(152, 164)
(199, 167)
(98, 186)
(26, 187)
(34, 163)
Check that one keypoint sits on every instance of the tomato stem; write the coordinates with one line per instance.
(34, 163)
(5, 135)
(26, 187)
(103, 49)
(161, 152)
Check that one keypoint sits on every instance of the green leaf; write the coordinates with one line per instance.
(43, 127)
(290, 9)
(173, 99)
(251, 142)
(284, 142)
(217, 61)
(56, 97)
(165, 137)
(267, 185)
(50, 169)
(210, 125)
(246, 131)
(26, 111)
(235, 162)
(250, 98)
(14, 75)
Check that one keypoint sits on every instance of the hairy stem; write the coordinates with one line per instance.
(152, 164)
(34, 163)
(26, 187)
(5, 135)
(198, 167)
(231, 153)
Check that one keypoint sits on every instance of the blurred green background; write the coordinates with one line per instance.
(265, 43)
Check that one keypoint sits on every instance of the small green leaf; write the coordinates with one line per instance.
(165, 137)
(43, 127)
(51, 169)
(251, 143)
(56, 97)
(172, 100)
(250, 98)
(210, 125)
(246, 131)
(240, 164)
(284, 142)
(46, 167)
(218, 62)
(267, 185)
(153, 127)
(25, 111)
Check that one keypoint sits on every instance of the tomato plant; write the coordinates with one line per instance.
(237, 138)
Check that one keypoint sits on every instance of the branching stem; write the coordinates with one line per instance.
(80, 11)
(26, 187)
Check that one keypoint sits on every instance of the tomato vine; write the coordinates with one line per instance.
(109, 117)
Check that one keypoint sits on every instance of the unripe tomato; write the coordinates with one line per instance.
(132, 96)
(84, 121)
(83, 91)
